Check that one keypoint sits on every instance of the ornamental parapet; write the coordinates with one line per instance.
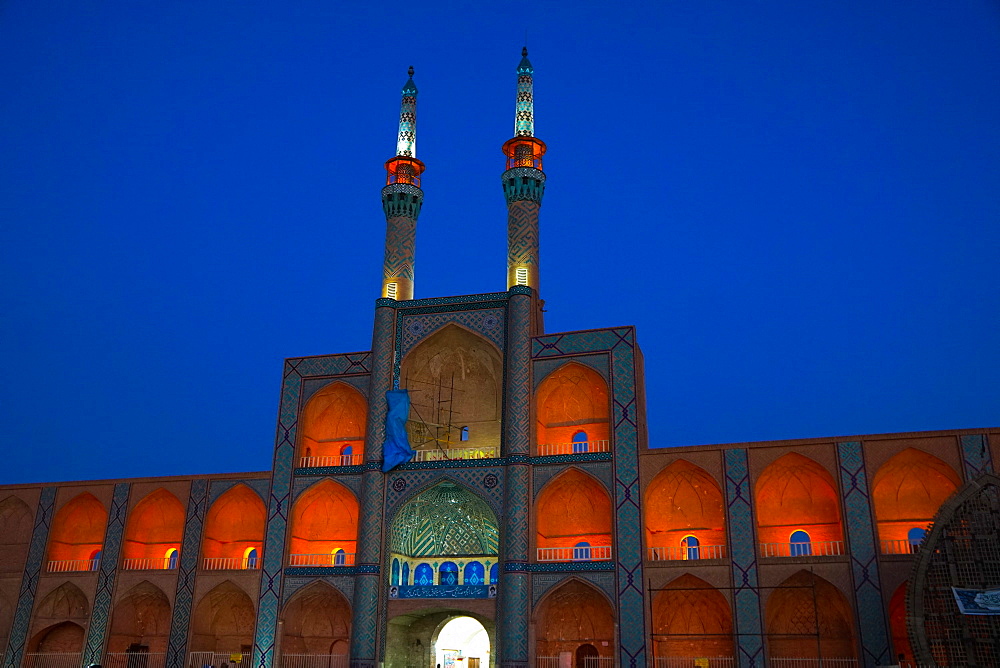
(402, 200)
(523, 184)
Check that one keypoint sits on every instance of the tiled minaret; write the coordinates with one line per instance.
(401, 200)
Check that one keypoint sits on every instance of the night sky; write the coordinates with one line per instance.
(797, 206)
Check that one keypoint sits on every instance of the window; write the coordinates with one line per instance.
(95, 560)
(473, 573)
(801, 545)
(345, 455)
(423, 575)
(395, 572)
(915, 537)
(390, 290)
(406, 574)
(171, 558)
(581, 551)
(463, 435)
(690, 547)
(448, 573)
(494, 574)
(521, 276)
(339, 557)
(580, 442)
(250, 558)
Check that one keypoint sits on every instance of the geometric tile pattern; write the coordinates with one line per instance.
(864, 554)
(345, 585)
(746, 597)
(32, 568)
(543, 582)
(111, 551)
(619, 343)
(351, 482)
(976, 456)
(219, 487)
(600, 470)
(415, 328)
(186, 570)
(522, 234)
(402, 486)
(542, 368)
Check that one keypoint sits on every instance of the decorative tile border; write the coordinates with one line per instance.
(543, 583)
(740, 522)
(180, 619)
(542, 475)
(343, 584)
(319, 571)
(219, 487)
(111, 552)
(541, 369)
(976, 456)
(571, 567)
(311, 386)
(413, 329)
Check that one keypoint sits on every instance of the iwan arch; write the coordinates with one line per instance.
(531, 525)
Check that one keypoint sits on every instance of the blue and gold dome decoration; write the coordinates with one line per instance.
(445, 520)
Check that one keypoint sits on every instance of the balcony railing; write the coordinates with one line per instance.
(73, 566)
(51, 660)
(314, 661)
(901, 546)
(679, 662)
(588, 662)
(816, 548)
(135, 660)
(779, 662)
(325, 559)
(149, 564)
(677, 553)
(548, 449)
(230, 564)
(592, 553)
(333, 460)
(218, 659)
(456, 453)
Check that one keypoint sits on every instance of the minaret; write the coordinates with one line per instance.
(523, 185)
(401, 200)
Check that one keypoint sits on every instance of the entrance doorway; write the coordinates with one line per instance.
(462, 643)
(438, 636)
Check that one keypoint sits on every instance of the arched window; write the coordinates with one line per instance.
(339, 557)
(464, 434)
(580, 441)
(690, 546)
(494, 573)
(395, 572)
(473, 573)
(171, 559)
(915, 537)
(406, 574)
(448, 573)
(95, 559)
(581, 551)
(346, 455)
(250, 558)
(423, 575)
(801, 545)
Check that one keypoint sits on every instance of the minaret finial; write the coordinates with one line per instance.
(406, 144)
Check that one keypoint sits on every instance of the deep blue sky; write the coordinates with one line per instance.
(796, 204)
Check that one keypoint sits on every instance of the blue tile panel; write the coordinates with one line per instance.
(180, 619)
(29, 581)
(740, 522)
(863, 547)
(111, 551)
(976, 456)
(619, 344)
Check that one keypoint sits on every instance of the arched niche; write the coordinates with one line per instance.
(573, 508)
(56, 619)
(572, 616)
(62, 638)
(795, 494)
(324, 520)
(571, 408)
(897, 625)
(316, 621)
(683, 500)
(907, 491)
(6, 617)
(234, 525)
(691, 618)
(223, 621)
(332, 428)
(454, 379)
(15, 534)
(155, 528)
(77, 534)
(792, 612)
(141, 618)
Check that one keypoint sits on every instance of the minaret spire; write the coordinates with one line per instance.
(524, 114)
(401, 201)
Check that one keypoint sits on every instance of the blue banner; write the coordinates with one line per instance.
(396, 449)
(977, 601)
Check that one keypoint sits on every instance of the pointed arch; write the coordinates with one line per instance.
(907, 491)
(572, 615)
(77, 533)
(897, 624)
(571, 408)
(794, 493)
(55, 617)
(6, 618)
(154, 528)
(233, 527)
(61, 638)
(223, 620)
(324, 520)
(684, 500)
(573, 508)
(16, 521)
(316, 620)
(333, 420)
(469, 369)
(141, 617)
(691, 618)
(808, 617)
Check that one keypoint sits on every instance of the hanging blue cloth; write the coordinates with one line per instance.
(396, 449)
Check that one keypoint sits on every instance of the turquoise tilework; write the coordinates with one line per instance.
(29, 580)
(415, 328)
(513, 597)
(404, 485)
(863, 548)
(976, 456)
(740, 522)
(97, 630)
(180, 619)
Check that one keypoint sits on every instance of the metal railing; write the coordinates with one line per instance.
(779, 662)
(218, 659)
(548, 449)
(73, 565)
(816, 548)
(150, 564)
(332, 460)
(689, 662)
(324, 559)
(901, 546)
(230, 564)
(51, 660)
(591, 553)
(134, 660)
(588, 662)
(677, 553)
(315, 661)
(436, 455)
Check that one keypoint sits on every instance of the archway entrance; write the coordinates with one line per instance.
(446, 637)
(462, 643)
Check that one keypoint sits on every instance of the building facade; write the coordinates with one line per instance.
(530, 508)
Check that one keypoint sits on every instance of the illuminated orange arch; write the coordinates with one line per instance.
(691, 618)
(792, 612)
(573, 507)
(223, 620)
(324, 519)
(572, 615)
(78, 529)
(794, 493)
(897, 624)
(155, 526)
(317, 620)
(684, 500)
(333, 419)
(908, 490)
(234, 525)
(572, 399)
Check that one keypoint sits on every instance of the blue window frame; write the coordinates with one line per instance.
(915, 537)
(801, 544)
(494, 574)
(172, 559)
(474, 573)
(251, 559)
(448, 573)
(394, 579)
(340, 558)
(581, 442)
(423, 575)
(581, 551)
(690, 545)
